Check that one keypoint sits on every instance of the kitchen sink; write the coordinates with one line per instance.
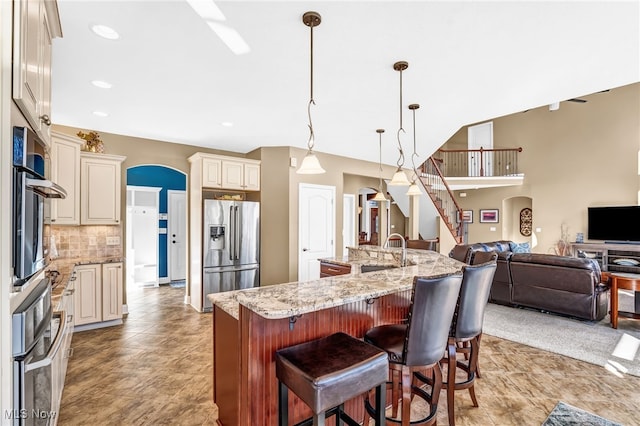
(372, 268)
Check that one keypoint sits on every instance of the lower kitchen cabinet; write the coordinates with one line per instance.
(98, 294)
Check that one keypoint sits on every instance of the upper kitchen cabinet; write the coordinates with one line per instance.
(65, 171)
(36, 24)
(223, 172)
(100, 191)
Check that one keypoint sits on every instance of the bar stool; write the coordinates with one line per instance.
(466, 330)
(326, 372)
(418, 346)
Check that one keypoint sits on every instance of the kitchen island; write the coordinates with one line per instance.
(250, 325)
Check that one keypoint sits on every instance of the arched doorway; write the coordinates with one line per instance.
(169, 223)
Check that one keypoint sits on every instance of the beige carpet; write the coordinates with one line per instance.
(596, 342)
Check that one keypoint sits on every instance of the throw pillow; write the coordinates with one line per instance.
(520, 247)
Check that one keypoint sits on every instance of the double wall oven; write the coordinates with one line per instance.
(37, 332)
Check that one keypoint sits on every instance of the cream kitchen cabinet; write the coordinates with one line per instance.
(112, 291)
(243, 175)
(212, 172)
(100, 191)
(65, 171)
(223, 172)
(98, 294)
(36, 23)
(88, 294)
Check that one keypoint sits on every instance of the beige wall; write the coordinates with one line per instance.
(578, 156)
(337, 167)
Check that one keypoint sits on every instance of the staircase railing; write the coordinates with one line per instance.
(442, 197)
(478, 162)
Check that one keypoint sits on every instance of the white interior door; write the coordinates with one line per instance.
(316, 228)
(480, 136)
(348, 222)
(142, 235)
(177, 238)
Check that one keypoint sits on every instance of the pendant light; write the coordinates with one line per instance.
(400, 178)
(380, 195)
(310, 164)
(413, 189)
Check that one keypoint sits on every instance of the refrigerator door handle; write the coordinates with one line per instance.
(232, 231)
(237, 232)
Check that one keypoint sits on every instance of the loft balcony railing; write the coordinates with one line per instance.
(478, 162)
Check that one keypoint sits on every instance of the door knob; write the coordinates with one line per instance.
(174, 241)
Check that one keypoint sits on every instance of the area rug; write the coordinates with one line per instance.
(617, 350)
(567, 415)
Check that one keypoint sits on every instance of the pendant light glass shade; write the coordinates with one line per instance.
(310, 164)
(379, 197)
(414, 190)
(399, 178)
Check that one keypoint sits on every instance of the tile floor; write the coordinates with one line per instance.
(156, 369)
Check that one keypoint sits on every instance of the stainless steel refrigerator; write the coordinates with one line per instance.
(230, 247)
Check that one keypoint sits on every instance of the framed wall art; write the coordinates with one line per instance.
(489, 216)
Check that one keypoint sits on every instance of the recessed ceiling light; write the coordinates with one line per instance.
(227, 124)
(102, 84)
(100, 113)
(105, 32)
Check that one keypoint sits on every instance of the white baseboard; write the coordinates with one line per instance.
(125, 309)
(95, 325)
(164, 280)
(187, 300)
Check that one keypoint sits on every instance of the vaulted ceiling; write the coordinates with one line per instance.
(175, 79)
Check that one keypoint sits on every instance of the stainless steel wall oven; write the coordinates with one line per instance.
(30, 191)
(37, 335)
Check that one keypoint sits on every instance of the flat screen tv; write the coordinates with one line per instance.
(614, 224)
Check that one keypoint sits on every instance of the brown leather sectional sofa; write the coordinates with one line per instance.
(565, 285)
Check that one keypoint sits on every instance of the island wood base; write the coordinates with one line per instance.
(246, 391)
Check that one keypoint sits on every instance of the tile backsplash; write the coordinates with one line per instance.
(87, 241)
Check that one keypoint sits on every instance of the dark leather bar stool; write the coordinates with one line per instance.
(466, 330)
(418, 346)
(326, 372)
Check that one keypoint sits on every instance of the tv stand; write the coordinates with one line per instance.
(608, 255)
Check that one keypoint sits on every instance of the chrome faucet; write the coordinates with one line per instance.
(403, 261)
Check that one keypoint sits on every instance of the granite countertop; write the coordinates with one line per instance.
(296, 298)
(64, 268)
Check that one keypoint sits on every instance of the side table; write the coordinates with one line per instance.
(624, 281)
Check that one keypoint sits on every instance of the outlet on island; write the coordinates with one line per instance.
(113, 241)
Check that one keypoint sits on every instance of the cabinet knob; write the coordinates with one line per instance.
(45, 119)
(53, 220)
